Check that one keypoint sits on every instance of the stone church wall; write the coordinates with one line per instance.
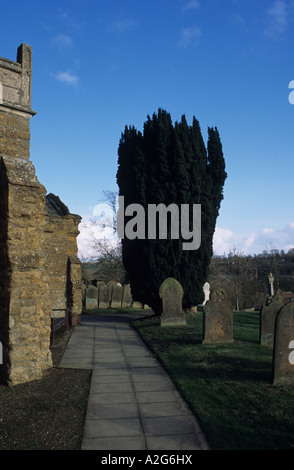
(63, 268)
(39, 269)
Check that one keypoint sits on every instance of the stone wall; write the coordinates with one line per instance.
(15, 101)
(39, 269)
(26, 324)
(63, 268)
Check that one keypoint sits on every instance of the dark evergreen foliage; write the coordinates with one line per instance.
(170, 164)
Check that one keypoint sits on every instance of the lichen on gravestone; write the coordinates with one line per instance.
(171, 293)
(218, 318)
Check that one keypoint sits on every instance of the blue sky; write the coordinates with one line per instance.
(101, 65)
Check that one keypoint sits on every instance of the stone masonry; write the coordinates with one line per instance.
(63, 268)
(15, 100)
(39, 269)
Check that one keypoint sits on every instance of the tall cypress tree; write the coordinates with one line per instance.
(170, 164)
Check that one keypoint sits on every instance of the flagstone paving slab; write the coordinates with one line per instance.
(133, 404)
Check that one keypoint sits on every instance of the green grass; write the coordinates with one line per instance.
(228, 386)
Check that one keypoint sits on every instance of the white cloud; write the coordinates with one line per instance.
(277, 19)
(63, 42)
(253, 243)
(192, 5)
(189, 36)
(122, 26)
(224, 241)
(67, 77)
(92, 230)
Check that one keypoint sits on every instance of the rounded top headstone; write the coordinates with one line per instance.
(170, 282)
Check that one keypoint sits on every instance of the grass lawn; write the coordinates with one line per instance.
(228, 386)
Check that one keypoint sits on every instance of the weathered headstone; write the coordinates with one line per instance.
(99, 284)
(283, 358)
(136, 304)
(171, 293)
(104, 296)
(110, 284)
(268, 316)
(116, 296)
(218, 318)
(127, 296)
(92, 298)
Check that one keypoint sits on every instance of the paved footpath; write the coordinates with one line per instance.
(133, 404)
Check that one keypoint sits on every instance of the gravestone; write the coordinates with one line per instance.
(116, 296)
(171, 294)
(92, 298)
(110, 284)
(99, 284)
(283, 358)
(127, 296)
(268, 316)
(136, 304)
(218, 318)
(104, 296)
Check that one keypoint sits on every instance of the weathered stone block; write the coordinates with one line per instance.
(218, 318)
(268, 316)
(92, 298)
(104, 295)
(171, 294)
(283, 358)
(116, 296)
(127, 296)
